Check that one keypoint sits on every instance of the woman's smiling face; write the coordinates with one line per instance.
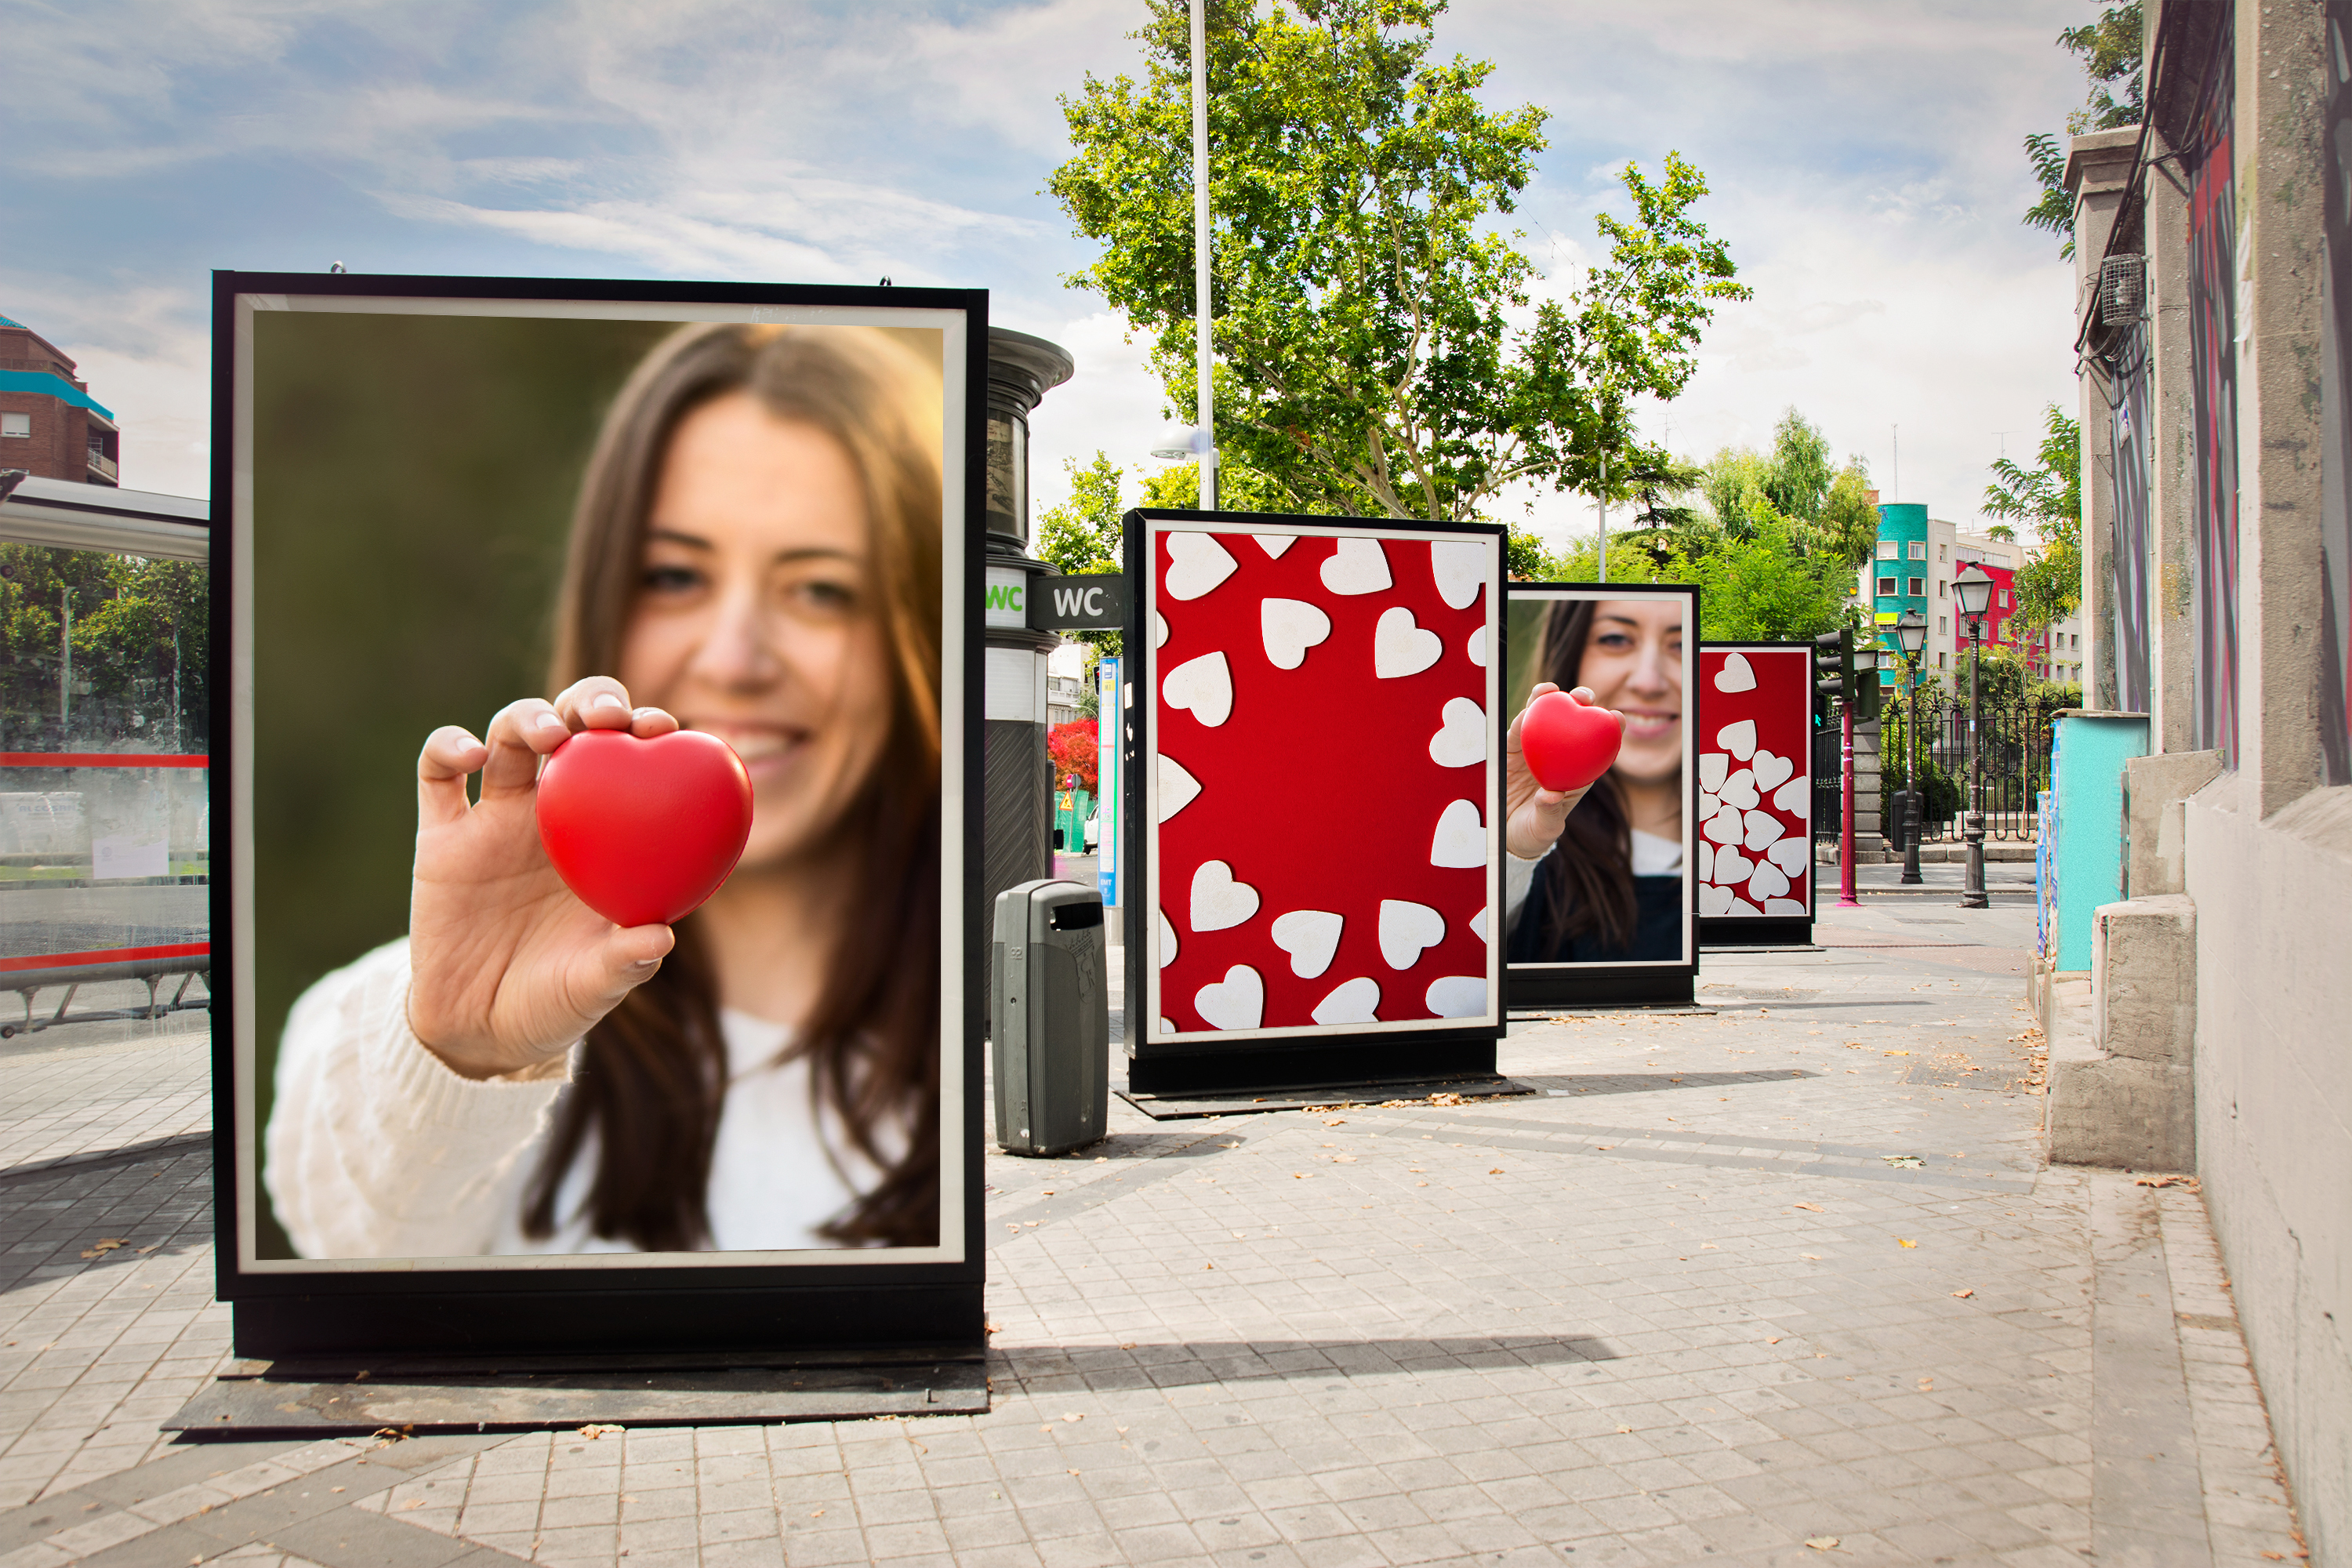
(1633, 662)
(757, 619)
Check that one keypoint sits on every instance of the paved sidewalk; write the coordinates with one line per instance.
(1778, 1280)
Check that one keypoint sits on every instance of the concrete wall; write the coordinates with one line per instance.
(2273, 1090)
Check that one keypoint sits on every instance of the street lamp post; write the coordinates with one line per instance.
(1972, 585)
(1911, 634)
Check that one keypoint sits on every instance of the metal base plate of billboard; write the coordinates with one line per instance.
(446, 1393)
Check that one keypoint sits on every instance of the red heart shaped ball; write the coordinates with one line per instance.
(644, 831)
(1567, 744)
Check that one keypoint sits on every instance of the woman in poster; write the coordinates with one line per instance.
(1597, 876)
(755, 553)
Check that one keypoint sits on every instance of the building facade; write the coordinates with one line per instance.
(2213, 249)
(50, 427)
(1914, 568)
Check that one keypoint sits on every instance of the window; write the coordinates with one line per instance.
(1943, 552)
(1889, 549)
(2004, 598)
(15, 424)
(1886, 587)
(1943, 625)
(1943, 661)
(1918, 550)
(1918, 587)
(1943, 588)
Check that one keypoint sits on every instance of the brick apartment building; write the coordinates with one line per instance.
(50, 427)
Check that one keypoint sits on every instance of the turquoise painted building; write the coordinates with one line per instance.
(1897, 579)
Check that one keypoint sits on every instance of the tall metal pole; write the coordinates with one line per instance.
(1846, 900)
(65, 668)
(1208, 410)
(1915, 810)
(1973, 896)
(1601, 510)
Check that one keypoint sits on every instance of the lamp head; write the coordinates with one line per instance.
(1973, 586)
(1911, 631)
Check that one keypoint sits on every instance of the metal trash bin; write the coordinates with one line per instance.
(1049, 1019)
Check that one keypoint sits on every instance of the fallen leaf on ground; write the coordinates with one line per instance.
(1127, 1344)
(1964, 1295)
(1815, 1207)
(2143, 1181)
(1073, 1415)
(1822, 1543)
(1495, 1172)
(1624, 1428)
(1773, 1340)
(1903, 1162)
(1811, 1256)
(1900, 1242)
(1926, 1385)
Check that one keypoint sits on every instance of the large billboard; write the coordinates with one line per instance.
(688, 1053)
(1600, 894)
(1316, 842)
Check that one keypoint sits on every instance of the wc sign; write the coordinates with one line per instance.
(1075, 604)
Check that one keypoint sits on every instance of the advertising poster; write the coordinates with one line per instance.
(1600, 903)
(1320, 776)
(1755, 780)
(600, 737)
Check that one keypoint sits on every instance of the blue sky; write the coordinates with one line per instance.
(1863, 157)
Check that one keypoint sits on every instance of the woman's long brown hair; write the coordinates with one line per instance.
(1592, 887)
(647, 1093)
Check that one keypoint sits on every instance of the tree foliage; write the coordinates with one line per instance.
(2048, 498)
(1076, 753)
(2110, 49)
(1380, 348)
(141, 640)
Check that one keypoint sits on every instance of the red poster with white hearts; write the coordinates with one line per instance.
(1755, 776)
(1320, 776)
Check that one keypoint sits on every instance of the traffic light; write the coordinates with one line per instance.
(1837, 679)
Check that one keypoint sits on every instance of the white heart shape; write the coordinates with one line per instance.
(1796, 798)
(1714, 900)
(1706, 862)
(1714, 767)
(1462, 741)
(1785, 907)
(1203, 685)
(1461, 837)
(1274, 544)
(1177, 787)
(1357, 566)
(1475, 648)
(1741, 907)
(1768, 883)
(1732, 868)
(1288, 629)
(1738, 739)
(1457, 996)
(1460, 568)
(1167, 1028)
(1737, 674)
(1310, 937)
(1350, 1004)
(1478, 926)
(1219, 902)
(1790, 854)
(1406, 929)
(1740, 790)
(1237, 1002)
(1764, 830)
(1159, 635)
(1400, 647)
(1196, 563)
(1167, 940)
(1725, 827)
(1772, 772)
(1709, 803)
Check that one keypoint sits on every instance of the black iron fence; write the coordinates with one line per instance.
(2012, 747)
(2016, 767)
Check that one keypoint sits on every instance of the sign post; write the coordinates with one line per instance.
(1107, 795)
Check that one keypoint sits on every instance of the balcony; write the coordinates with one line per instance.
(104, 465)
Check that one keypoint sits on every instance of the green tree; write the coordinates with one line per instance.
(141, 640)
(2049, 498)
(1767, 586)
(1082, 534)
(1377, 352)
(1799, 479)
(2110, 49)
(1849, 518)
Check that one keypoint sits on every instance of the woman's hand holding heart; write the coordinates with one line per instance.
(1537, 814)
(507, 967)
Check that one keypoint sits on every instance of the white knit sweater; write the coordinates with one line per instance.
(376, 1149)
